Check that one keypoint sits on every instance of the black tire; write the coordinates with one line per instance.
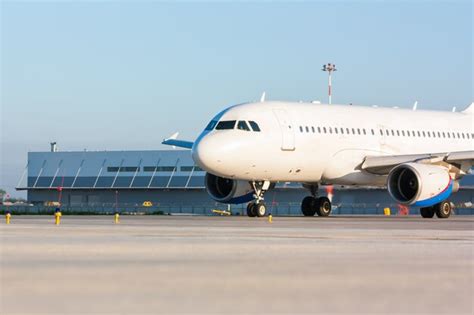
(308, 206)
(443, 209)
(251, 210)
(324, 207)
(260, 209)
(427, 212)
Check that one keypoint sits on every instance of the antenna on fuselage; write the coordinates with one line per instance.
(415, 106)
(262, 98)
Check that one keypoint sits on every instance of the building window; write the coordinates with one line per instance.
(190, 168)
(115, 169)
(159, 168)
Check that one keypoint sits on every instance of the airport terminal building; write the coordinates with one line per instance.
(167, 179)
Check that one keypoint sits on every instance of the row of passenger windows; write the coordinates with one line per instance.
(388, 132)
(231, 124)
(125, 169)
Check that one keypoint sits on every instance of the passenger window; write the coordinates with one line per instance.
(255, 126)
(342, 130)
(324, 129)
(312, 129)
(335, 130)
(211, 125)
(319, 129)
(242, 125)
(301, 129)
(307, 129)
(403, 133)
(226, 125)
(347, 131)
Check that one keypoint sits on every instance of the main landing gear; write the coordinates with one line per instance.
(443, 210)
(312, 205)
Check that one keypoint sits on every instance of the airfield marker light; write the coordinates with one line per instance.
(8, 217)
(117, 218)
(386, 211)
(329, 68)
(270, 218)
(57, 216)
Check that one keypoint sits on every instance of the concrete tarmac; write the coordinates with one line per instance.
(186, 264)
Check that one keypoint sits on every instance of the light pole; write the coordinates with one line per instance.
(329, 68)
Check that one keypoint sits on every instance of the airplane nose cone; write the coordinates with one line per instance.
(204, 154)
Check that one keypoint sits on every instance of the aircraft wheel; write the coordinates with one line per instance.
(324, 207)
(260, 209)
(308, 206)
(251, 210)
(443, 209)
(427, 212)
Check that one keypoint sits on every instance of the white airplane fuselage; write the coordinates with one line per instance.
(311, 143)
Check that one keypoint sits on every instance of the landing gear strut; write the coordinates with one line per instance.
(312, 205)
(258, 208)
(442, 210)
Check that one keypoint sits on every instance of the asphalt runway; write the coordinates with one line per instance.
(185, 264)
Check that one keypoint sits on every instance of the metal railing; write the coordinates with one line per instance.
(276, 209)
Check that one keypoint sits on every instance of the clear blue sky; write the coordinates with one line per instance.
(123, 75)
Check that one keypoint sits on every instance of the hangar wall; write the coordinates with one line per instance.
(167, 178)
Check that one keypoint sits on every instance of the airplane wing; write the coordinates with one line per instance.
(173, 141)
(382, 165)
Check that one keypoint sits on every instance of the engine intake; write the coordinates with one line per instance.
(228, 190)
(421, 185)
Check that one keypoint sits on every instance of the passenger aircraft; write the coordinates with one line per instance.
(419, 155)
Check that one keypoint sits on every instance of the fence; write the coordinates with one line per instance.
(276, 209)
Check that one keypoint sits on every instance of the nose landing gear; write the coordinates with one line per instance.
(258, 208)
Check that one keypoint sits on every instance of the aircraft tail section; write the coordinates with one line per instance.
(469, 109)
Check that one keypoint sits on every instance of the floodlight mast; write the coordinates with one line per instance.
(329, 68)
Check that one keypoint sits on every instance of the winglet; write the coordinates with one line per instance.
(262, 98)
(415, 106)
(173, 141)
(469, 109)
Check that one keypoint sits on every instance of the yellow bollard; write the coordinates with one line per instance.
(386, 211)
(57, 217)
(8, 217)
(270, 218)
(117, 218)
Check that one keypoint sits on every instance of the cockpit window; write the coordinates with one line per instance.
(226, 124)
(211, 125)
(242, 125)
(254, 126)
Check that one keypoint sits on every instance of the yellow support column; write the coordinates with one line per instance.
(8, 216)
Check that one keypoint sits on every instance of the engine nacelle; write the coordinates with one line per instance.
(420, 185)
(227, 190)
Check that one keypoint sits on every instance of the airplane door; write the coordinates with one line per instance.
(287, 130)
